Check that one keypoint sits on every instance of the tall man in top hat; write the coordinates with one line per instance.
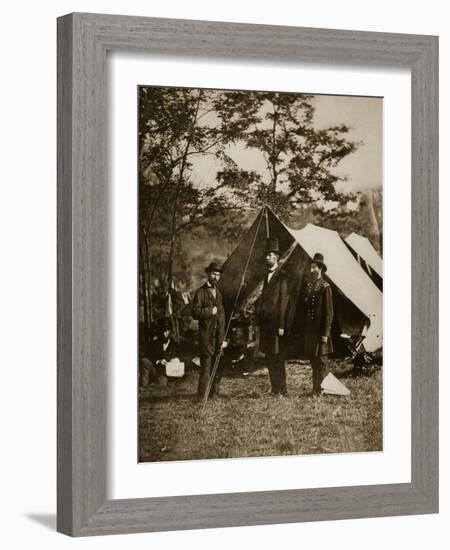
(207, 308)
(271, 313)
(317, 305)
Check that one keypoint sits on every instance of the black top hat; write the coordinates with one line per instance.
(213, 266)
(272, 246)
(164, 323)
(318, 259)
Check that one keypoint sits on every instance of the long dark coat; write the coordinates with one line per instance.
(316, 303)
(271, 312)
(211, 328)
(159, 353)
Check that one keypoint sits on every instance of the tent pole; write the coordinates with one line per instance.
(266, 217)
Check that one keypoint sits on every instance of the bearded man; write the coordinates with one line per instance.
(271, 313)
(316, 300)
(207, 308)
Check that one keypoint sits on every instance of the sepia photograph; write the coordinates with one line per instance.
(260, 303)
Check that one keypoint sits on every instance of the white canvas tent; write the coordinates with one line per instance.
(365, 250)
(346, 273)
(357, 300)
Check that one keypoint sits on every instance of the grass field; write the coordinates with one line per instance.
(246, 422)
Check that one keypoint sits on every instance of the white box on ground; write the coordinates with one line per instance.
(175, 368)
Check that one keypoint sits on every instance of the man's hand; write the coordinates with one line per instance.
(281, 332)
(214, 310)
(324, 339)
(224, 344)
(163, 362)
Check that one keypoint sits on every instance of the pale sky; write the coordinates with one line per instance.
(364, 115)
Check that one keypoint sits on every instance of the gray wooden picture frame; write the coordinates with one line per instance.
(83, 41)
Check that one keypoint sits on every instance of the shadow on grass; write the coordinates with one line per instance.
(170, 397)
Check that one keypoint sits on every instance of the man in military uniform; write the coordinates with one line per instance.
(271, 313)
(317, 304)
(207, 308)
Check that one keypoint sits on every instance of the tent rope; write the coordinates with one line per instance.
(241, 285)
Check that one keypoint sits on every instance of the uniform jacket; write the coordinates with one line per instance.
(271, 311)
(211, 327)
(316, 301)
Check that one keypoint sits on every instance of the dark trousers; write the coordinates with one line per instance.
(151, 373)
(277, 372)
(319, 371)
(147, 372)
(207, 363)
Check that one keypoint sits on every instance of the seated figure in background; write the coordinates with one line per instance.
(163, 349)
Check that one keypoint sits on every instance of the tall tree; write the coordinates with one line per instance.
(362, 215)
(177, 126)
(300, 160)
